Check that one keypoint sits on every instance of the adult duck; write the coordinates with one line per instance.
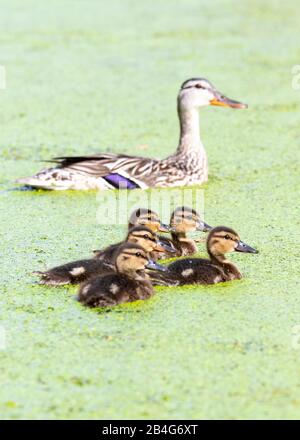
(187, 166)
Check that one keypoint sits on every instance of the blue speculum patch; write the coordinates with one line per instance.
(120, 182)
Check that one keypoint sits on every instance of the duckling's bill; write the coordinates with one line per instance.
(162, 247)
(164, 228)
(244, 247)
(203, 227)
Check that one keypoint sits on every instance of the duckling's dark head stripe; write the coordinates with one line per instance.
(142, 233)
(143, 236)
(145, 214)
(134, 254)
(120, 182)
(143, 229)
(130, 247)
(184, 211)
(221, 230)
(184, 214)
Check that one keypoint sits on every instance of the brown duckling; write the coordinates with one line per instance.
(183, 220)
(78, 271)
(140, 217)
(128, 283)
(220, 241)
(146, 217)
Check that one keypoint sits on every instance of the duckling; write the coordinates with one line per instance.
(220, 241)
(78, 271)
(128, 283)
(183, 220)
(139, 217)
(146, 217)
(142, 235)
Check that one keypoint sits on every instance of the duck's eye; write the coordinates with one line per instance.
(138, 254)
(198, 86)
(146, 237)
(227, 237)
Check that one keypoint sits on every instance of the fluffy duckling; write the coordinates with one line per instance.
(183, 220)
(142, 235)
(146, 217)
(220, 241)
(139, 217)
(78, 271)
(128, 283)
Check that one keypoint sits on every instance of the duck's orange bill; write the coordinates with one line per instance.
(223, 101)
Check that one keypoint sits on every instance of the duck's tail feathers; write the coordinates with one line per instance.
(38, 184)
(64, 179)
(50, 279)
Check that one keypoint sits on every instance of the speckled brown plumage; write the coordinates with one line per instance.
(78, 271)
(99, 292)
(216, 269)
(129, 283)
(187, 166)
(183, 220)
(74, 272)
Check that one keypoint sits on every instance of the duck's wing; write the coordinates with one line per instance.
(100, 171)
(139, 169)
(74, 272)
(196, 271)
(188, 271)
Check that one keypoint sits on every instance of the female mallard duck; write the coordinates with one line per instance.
(220, 241)
(78, 271)
(183, 220)
(187, 166)
(128, 283)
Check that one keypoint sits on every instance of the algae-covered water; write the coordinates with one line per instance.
(93, 76)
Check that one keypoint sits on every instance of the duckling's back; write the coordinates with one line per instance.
(189, 271)
(113, 289)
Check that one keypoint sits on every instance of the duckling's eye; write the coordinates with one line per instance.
(146, 237)
(138, 254)
(198, 86)
(227, 237)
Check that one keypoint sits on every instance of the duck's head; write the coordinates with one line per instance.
(148, 218)
(199, 92)
(222, 240)
(185, 219)
(133, 259)
(148, 239)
